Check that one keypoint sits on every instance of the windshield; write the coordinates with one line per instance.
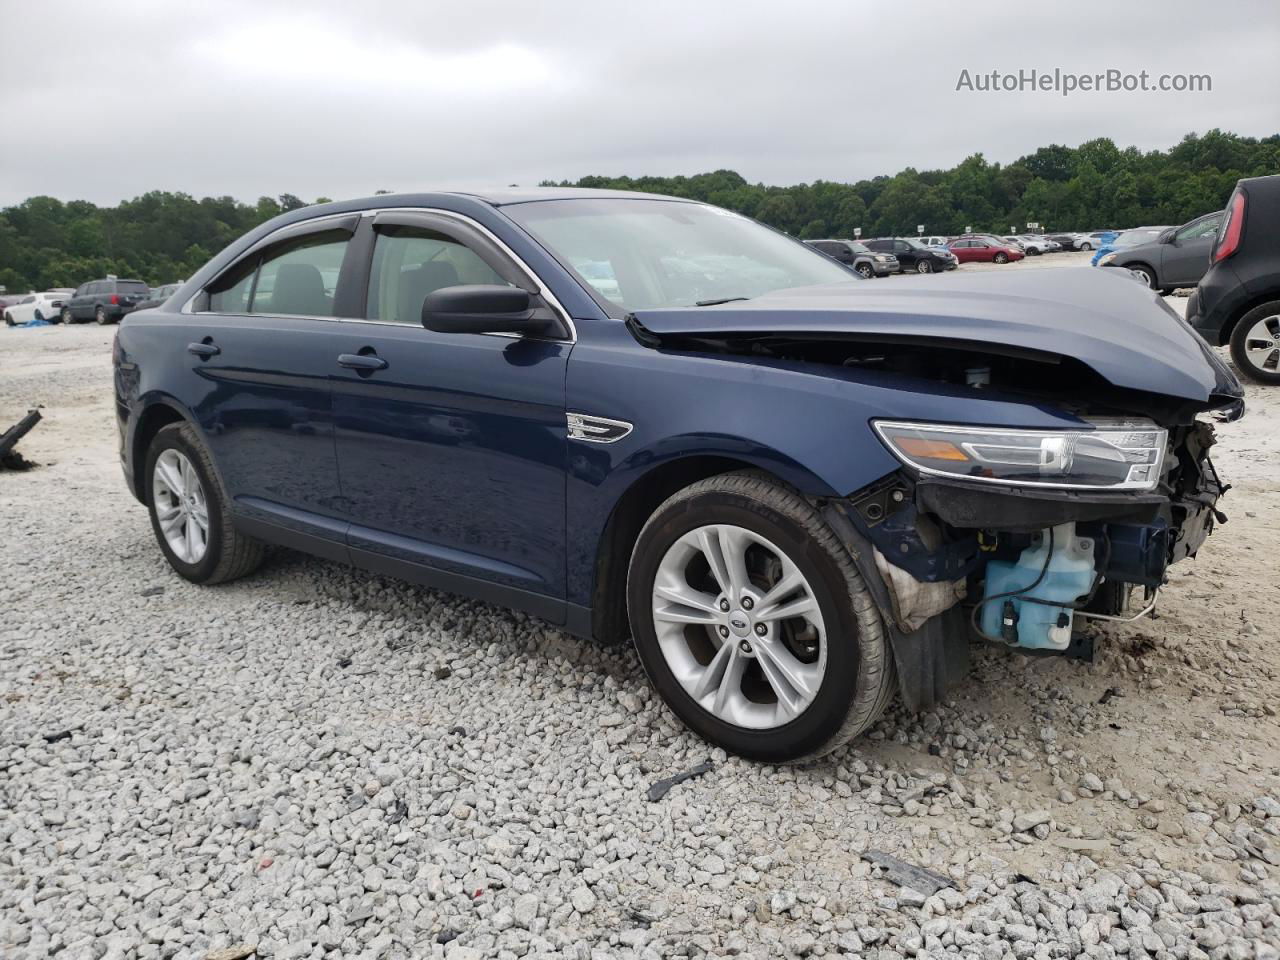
(858, 248)
(640, 254)
(914, 243)
(1134, 237)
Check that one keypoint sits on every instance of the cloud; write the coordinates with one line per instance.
(104, 101)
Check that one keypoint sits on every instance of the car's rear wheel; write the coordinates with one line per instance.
(1001, 258)
(67, 319)
(1086, 245)
(8, 320)
(753, 623)
(864, 270)
(1255, 343)
(924, 266)
(100, 316)
(189, 510)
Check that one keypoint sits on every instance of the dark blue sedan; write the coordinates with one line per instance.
(637, 416)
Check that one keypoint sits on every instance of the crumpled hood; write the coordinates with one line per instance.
(1116, 326)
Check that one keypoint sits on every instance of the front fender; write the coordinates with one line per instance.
(808, 424)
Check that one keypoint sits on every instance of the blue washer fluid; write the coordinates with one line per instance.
(1069, 577)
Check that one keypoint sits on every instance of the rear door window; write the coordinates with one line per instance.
(298, 277)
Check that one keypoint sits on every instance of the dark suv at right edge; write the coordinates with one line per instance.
(105, 301)
(1238, 300)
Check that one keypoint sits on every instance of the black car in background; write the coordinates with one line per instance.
(104, 301)
(158, 295)
(1238, 299)
(914, 255)
(1178, 257)
(852, 253)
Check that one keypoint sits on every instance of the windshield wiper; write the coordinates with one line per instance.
(712, 303)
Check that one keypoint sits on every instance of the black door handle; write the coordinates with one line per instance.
(204, 350)
(362, 362)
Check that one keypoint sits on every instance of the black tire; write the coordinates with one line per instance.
(100, 317)
(1034, 251)
(8, 319)
(1086, 245)
(229, 553)
(1148, 275)
(67, 318)
(864, 270)
(1000, 258)
(924, 266)
(859, 679)
(1240, 334)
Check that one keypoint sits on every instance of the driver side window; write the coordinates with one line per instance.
(411, 262)
(1205, 228)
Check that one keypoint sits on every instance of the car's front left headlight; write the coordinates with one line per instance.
(1107, 259)
(1113, 455)
(882, 259)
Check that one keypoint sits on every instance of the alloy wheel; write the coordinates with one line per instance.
(924, 266)
(739, 626)
(1262, 344)
(181, 507)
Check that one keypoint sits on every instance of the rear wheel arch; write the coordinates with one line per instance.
(151, 421)
(1228, 328)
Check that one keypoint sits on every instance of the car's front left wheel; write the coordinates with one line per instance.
(189, 510)
(753, 622)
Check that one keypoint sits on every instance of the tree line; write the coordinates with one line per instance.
(163, 237)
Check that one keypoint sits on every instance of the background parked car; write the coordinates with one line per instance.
(1238, 298)
(985, 249)
(1177, 257)
(158, 296)
(852, 253)
(914, 255)
(933, 241)
(1031, 246)
(105, 301)
(1127, 238)
(36, 307)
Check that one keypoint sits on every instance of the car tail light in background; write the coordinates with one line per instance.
(1232, 227)
(115, 298)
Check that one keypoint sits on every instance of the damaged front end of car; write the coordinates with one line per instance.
(1026, 568)
(1019, 536)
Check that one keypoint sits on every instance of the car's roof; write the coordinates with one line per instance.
(503, 196)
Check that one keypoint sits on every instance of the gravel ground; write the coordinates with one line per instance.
(315, 762)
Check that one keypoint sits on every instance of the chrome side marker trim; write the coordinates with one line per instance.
(596, 429)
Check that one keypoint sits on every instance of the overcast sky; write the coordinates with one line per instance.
(103, 101)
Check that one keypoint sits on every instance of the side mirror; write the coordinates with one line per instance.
(1168, 236)
(483, 308)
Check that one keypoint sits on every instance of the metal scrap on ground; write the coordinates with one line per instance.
(908, 875)
(10, 459)
(663, 786)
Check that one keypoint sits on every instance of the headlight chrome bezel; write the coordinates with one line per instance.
(967, 442)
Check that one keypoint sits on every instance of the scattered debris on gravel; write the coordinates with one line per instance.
(11, 459)
(279, 768)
